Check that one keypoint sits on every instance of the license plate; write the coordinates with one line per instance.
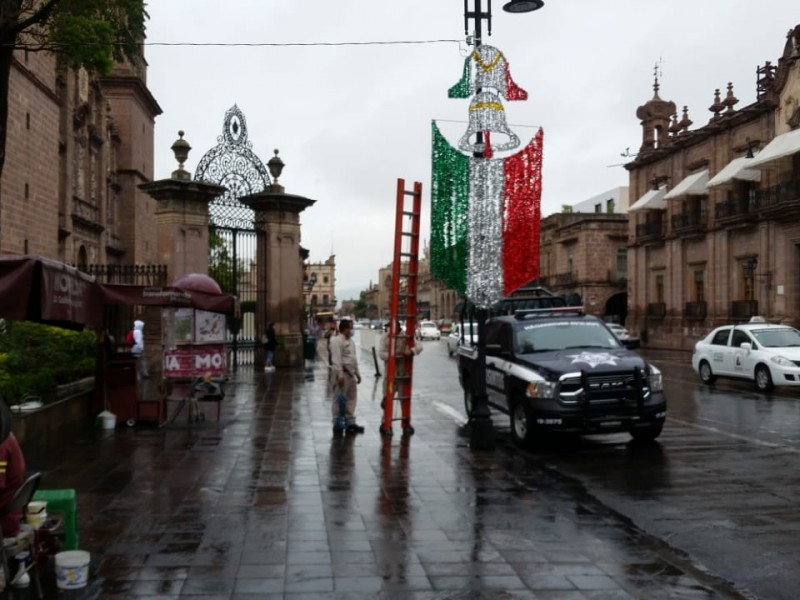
(610, 423)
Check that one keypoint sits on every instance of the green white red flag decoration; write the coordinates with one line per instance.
(485, 211)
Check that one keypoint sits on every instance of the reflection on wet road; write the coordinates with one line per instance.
(721, 484)
(272, 505)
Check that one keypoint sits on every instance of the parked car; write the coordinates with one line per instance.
(466, 333)
(427, 330)
(445, 326)
(761, 352)
(623, 335)
(561, 371)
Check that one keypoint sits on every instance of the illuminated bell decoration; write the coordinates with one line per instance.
(485, 211)
(487, 116)
(485, 68)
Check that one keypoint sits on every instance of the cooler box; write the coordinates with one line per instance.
(62, 501)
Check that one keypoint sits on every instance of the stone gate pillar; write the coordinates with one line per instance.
(280, 280)
(182, 217)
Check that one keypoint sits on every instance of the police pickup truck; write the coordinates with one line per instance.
(560, 370)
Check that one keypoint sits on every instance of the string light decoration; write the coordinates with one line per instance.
(485, 211)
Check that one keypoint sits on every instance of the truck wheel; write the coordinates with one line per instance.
(647, 434)
(468, 403)
(521, 424)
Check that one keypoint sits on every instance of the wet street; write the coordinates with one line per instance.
(268, 504)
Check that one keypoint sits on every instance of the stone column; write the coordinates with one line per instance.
(182, 217)
(280, 269)
(182, 233)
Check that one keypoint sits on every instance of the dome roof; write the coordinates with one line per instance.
(197, 282)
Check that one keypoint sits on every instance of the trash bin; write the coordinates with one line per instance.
(309, 347)
(121, 387)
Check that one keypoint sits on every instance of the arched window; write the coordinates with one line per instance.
(325, 279)
(324, 298)
(314, 300)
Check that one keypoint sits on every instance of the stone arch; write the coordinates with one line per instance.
(616, 308)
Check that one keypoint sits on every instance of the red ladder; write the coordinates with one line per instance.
(403, 306)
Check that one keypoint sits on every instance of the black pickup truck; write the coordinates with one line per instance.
(560, 370)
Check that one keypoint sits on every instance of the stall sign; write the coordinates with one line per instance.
(195, 361)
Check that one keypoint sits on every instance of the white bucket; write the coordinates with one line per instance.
(72, 569)
(108, 419)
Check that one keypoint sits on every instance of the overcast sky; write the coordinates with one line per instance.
(349, 120)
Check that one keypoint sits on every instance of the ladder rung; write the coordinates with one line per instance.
(410, 233)
(410, 213)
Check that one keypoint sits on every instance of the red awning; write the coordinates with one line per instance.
(38, 289)
(168, 296)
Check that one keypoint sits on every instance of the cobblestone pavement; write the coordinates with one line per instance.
(269, 504)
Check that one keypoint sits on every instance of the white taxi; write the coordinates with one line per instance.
(765, 353)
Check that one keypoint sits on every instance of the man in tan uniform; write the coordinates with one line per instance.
(345, 374)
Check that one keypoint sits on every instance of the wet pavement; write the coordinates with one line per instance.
(269, 504)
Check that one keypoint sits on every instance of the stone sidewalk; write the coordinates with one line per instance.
(267, 504)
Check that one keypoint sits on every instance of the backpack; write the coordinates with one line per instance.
(129, 338)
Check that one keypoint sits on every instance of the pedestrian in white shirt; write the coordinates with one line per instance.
(345, 374)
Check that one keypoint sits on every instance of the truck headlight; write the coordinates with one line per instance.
(655, 380)
(541, 389)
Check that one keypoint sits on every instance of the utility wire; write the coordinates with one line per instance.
(254, 44)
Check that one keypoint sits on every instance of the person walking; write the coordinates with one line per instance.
(270, 345)
(345, 375)
(138, 349)
(405, 351)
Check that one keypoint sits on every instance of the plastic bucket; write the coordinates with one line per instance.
(72, 569)
(108, 420)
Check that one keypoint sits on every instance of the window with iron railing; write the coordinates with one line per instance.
(787, 192)
(652, 227)
(742, 310)
(694, 310)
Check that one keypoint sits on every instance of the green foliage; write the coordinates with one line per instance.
(247, 306)
(360, 306)
(221, 266)
(90, 33)
(35, 358)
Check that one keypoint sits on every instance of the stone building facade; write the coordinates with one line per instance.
(715, 226)
(321, 297)
(585, 253)
(78, 147)
(438, 301)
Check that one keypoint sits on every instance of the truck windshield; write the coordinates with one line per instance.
(552, 336)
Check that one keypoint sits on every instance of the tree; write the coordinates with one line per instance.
(220, 264)
(92, 34)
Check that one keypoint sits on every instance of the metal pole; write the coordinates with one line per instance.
(481, 427)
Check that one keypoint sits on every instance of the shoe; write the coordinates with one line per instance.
(22, 580)
(353, 429)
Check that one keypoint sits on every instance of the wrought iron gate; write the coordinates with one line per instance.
(233, 235)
